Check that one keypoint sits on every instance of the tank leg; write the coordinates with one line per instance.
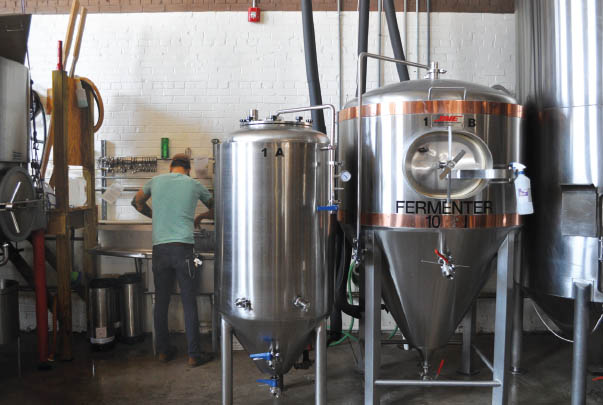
(19, 355)
(153, 324)
(321, 364)
(517, 331)
(502, 323)
(226, 354)
(372, 346)
(582, 292)
(214, 325)
(467, 364)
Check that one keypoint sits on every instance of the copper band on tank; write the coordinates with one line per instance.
(433, 107)
(424, 221)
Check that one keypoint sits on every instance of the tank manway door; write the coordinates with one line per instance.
(434, 160)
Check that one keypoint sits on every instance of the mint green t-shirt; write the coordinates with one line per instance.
(175, 198)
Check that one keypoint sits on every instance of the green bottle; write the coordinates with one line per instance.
(165, 148)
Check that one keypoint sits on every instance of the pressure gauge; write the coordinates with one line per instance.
(345, 176)
(433, 158)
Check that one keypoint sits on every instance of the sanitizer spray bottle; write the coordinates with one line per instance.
(523, 190)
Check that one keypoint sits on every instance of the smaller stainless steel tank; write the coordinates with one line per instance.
(9, 311)
(103, 312)
(131, 302)
(273, 231)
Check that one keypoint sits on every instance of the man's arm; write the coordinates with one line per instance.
(206, 215)
(208, 201)
(140, 203)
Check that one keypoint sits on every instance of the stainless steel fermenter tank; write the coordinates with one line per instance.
(273, 231)
(437, 192)
(560, 79)
(560, 82)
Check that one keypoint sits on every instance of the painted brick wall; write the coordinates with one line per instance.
(129, 6)
(186, 76)
(183, 76)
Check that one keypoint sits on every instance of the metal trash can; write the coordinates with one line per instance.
(103, 309)
(9, 311)
(131, 301)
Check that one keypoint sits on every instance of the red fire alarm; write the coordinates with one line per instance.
(253, 13)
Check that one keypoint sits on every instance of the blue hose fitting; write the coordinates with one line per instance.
(272, 382)
(261, 356)
(327, 208)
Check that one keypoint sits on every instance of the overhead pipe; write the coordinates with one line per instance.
(363, 29)
(339, 64)
(418, 23)
(394, 36)
(37, 240)
(318, 119)
(406, 24)
(428, 28)
(379, 39)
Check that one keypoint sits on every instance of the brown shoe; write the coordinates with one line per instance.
(199, 360)
(168, 355)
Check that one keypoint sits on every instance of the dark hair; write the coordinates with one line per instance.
(181, 163)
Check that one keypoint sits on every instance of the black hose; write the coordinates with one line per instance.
(394, 35)
(344, 254)
(318, 118)
(363, 29)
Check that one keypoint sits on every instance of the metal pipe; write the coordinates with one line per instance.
(582, 293)
(468, 323)
(339, 65)
(427, 60)
(394, 37)
(505, 260)
(379, 39)
(363, 29)
(5, 254)
(226, 356)
(417, 15)
(433, 69)
(406, 24)
(104, 206)
(332, 138)
(321, 364)
(483, 358)
(517, 337)
(437, 383)
(39, 255)
(318, 120)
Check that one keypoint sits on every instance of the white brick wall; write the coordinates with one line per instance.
(192, 76)
(186, 77)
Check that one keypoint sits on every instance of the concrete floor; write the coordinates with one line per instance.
(129, 374)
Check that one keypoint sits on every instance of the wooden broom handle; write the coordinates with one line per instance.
(78, 39)
(70, 27)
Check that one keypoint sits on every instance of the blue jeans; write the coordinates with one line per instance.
(175, 260)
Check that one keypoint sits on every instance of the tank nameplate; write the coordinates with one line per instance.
(449, 107)
(433, 221)
(446, 120)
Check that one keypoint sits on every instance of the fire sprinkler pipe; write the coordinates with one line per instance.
(37, 240)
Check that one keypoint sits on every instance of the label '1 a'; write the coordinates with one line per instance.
(279, 152)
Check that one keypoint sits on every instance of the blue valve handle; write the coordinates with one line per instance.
(327, 208)
(272, 383)
(263, 356)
